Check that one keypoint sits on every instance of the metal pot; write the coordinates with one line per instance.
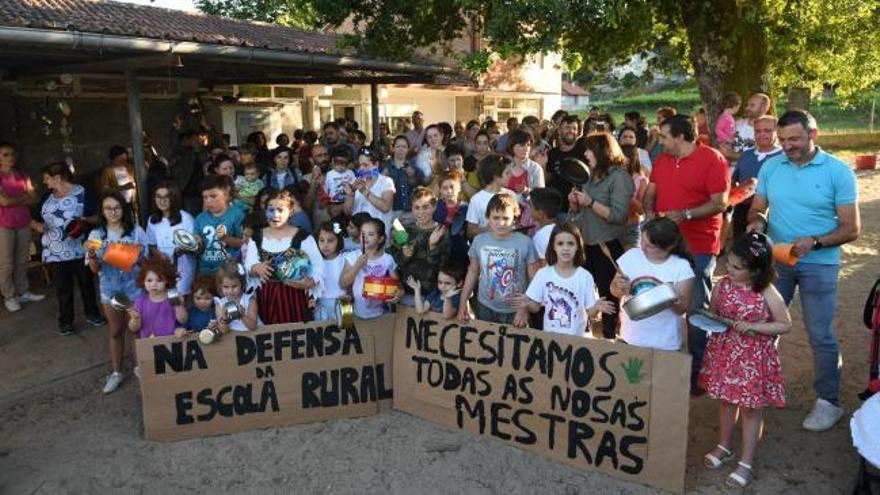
(650, 302)
(120, 302)
(209, 335)
(233, 312)
(185, 241)
(173, 297)
(344, 314)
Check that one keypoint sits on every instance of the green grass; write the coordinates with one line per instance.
(831, 116)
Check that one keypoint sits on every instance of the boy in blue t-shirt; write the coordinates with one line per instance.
(200, 314)
(218, 227)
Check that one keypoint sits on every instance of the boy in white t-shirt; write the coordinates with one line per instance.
(337, 178)
(546, 204)
(494, 173)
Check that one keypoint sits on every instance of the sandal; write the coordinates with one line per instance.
(712, 462)
(734, 479)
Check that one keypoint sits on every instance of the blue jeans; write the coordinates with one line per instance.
(705, 267)
(818, 290)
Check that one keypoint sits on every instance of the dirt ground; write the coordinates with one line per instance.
(59, 434)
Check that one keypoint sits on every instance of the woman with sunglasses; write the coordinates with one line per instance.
(16, 195)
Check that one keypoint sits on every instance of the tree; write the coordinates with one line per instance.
(729, 45)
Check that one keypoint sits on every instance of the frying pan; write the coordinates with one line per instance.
(573, 170)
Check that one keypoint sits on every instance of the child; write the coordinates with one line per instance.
(445, 299)
(494, 172)
(454, 155)
(662, 257)
(481, 150)
(330, 242)
(630, 235)
(428, 244)
(153, 314)
(218, 227)
(741, 366)
(298, 216)
(230, 278)
(502, 260)
(249, 185)
(281, 175)
(451, 212)
(563, 288)
(405, 175)
(116, 226)
(168, 217)
(353, 230)
(286, 261)
(200, 314)
(336, 178)
(371, 192)
(725, 125)
(371, 261)
(546, 204)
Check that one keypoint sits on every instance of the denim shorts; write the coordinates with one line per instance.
(112, 280)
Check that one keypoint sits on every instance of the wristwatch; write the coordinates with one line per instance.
(592, 202)
(688, 215)
(817, 244)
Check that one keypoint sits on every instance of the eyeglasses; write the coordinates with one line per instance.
(758, 244)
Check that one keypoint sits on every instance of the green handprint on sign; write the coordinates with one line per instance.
(633, 370)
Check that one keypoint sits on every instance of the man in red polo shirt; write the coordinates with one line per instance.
(689, 184)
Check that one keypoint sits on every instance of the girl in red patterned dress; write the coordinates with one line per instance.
(287, 263)
(741, 366)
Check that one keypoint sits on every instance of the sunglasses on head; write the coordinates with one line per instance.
(758, 244)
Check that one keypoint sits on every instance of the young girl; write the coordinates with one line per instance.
(353, 229)
(662, 257)
(445, 299)
(741, 366)
(330, 242)
(116, 226)
(167, 217)
(153, 314)
(287, 262)
(725, 125)
(231, 281)
(200, 314)
(451, 213)
(371, 192)
(563, 288)
(372, 261)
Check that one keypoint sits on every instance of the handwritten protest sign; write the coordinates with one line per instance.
(276, 375)
(618, 409)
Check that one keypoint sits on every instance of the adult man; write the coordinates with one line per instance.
(320, 161)
(813, 204)
(501, 143)
(758, 105)
(746, 172)
(689, 184)
(567, 146)
(333, 137)
(416, 136)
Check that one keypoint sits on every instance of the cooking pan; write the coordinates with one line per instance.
(120, 302)
(649, 302)
(573, 170)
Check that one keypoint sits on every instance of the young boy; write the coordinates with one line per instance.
(335, 179)
(494, 173)
(546, 204)
(451, 212)
(250, 184)
(446, 299)
(202, 310)
(218, 227)
(502, 260)
(427, 247)
(455, 161)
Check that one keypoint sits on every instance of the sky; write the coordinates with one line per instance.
(168, 4)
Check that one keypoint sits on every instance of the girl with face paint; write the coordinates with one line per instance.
(284, 263)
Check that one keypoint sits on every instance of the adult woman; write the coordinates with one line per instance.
(167, 217)
(16, 195)
(629, 137)
(431, 153)
(62, 249)
(482, 149)
(282, 174)
(525, 174)
(603, 206)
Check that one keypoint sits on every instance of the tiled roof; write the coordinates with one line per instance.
(571, 89)
(100, 16)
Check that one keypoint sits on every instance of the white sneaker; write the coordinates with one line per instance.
(137, 372)
(31, 297)
(823, 416)
(12, 305)
(113, 382)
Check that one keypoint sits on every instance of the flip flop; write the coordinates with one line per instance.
(736, 480)
(712, 462)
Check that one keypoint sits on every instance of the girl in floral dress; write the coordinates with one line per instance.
(741, 366)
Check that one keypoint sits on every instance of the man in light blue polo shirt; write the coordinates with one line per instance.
(813, 204)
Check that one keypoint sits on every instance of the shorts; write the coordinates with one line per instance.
(489, 315)
(109, 285)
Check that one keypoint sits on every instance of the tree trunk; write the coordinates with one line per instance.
(728, 51)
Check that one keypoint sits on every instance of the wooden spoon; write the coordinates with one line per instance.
(607, 253)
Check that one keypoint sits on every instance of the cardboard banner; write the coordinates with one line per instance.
(591, 404)
(276, 375)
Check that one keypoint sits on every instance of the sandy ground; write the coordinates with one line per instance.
(59, 434)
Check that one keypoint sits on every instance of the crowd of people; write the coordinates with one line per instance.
(468, 222)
